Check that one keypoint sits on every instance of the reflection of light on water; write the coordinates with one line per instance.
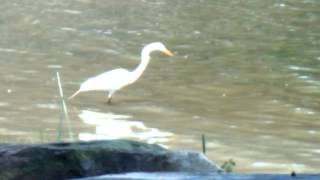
(3, 118)
(299, 68)
(306, 111)
(47, 106)
(68, 29)
(114, 126)
(317, 151)
(8, 50)
(307, 78)
(71, 11)
(54, 66)
(4, 104)
(312, 132)
(297, 167)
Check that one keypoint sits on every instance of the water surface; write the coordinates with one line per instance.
(245, 74)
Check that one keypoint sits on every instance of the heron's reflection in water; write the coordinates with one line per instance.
(116, 126)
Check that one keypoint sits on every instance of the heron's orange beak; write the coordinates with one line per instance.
(167, 52)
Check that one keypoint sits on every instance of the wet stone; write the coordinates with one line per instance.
(85, 159)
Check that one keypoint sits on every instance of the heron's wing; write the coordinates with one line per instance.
(111, 80)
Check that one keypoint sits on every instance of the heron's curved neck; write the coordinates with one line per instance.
(145, 58)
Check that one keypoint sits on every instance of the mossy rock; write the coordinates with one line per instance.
(83, 159)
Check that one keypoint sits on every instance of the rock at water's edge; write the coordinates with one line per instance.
(83, 159)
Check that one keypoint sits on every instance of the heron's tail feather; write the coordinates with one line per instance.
(74, 95)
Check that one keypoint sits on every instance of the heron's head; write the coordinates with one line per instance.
(158, 46)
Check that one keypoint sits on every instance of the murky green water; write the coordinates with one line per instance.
(245, 73)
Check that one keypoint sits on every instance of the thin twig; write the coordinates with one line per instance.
(204, 144)
(65, 111)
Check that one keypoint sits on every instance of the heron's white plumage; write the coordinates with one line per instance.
(111, 80)
(116, 79)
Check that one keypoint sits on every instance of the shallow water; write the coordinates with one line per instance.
(245, 74)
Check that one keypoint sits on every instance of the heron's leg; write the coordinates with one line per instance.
(110, 97)
(109, 100)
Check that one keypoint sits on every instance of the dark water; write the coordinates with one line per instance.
(245, 73)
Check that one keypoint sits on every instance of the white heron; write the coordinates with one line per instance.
(116, 79)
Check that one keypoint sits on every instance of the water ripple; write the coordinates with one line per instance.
(68, 29)
(4, 104)
(9, 50)
(47, 106)
(298, 68)
(74, 12)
